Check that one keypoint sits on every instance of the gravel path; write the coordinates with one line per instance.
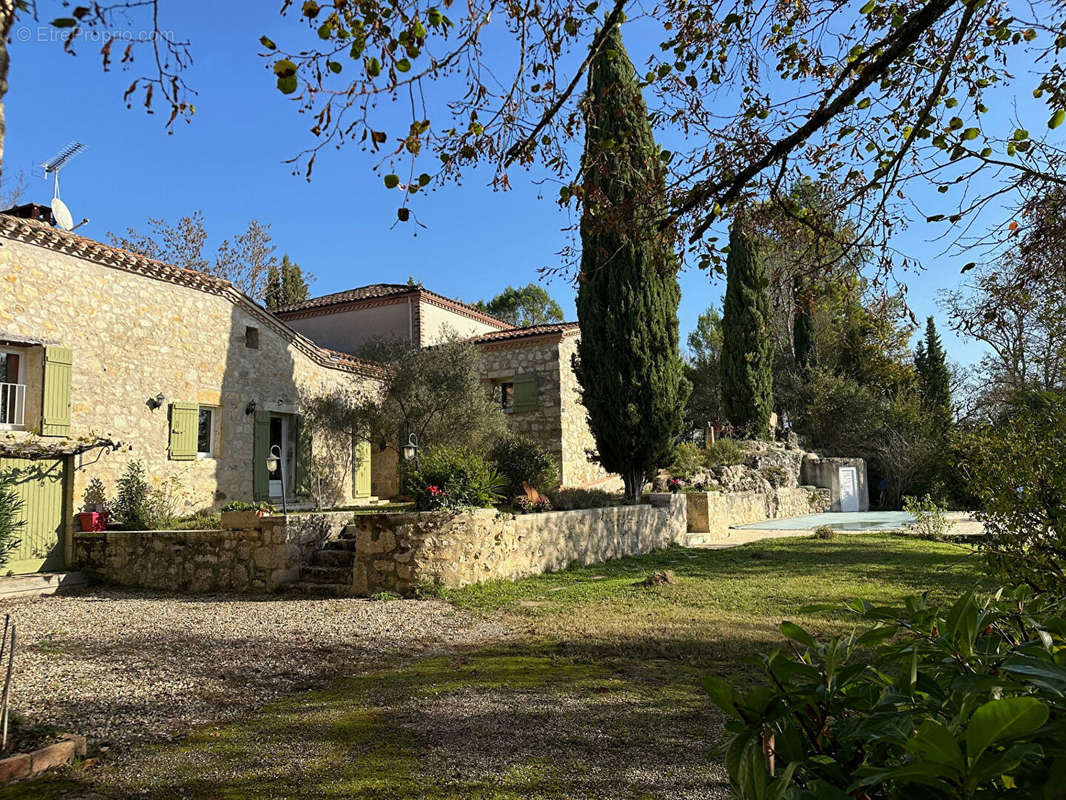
(126, 668)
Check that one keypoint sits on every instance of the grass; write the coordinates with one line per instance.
(597, 695)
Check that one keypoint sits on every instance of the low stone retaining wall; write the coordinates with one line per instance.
(261, 557)
(398, 552)
(716, 512)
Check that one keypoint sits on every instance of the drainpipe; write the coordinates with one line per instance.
(411, 323)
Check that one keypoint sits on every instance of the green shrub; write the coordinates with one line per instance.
(453, 477)
(824, 532)
(519, 459)
(570, 499)
(929, 702)
(686, 462)
(241, 505)
(10, 521)
(725, 453)
(930, 519)
(139, 507)
(1018, 473)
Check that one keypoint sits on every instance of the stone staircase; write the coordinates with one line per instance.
(329, 569)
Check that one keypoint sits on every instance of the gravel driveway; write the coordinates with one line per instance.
(124, 668)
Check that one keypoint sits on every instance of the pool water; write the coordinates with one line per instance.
(841, 521)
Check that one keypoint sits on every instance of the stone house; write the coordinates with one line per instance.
(528, 370)
(99, 346)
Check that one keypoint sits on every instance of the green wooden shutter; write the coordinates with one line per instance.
(360, 468)
(525, 393)
(55, 409)
(303, 457)
(260, 448)
(184, 425)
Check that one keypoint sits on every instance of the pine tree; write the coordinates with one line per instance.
(294, 288)
(934, 379)
(747, 352)
(628, 360)
(272, 296)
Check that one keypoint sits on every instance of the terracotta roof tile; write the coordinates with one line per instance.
(555, 328)
(370, 292)
(40, 234)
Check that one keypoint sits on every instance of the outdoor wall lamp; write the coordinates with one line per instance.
(250, 408)
(155, 402)
(410, 450)
(273, 464)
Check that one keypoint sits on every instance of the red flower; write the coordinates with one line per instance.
(434, 490)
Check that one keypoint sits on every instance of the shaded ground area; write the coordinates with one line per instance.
(594, 695)
(126, 668)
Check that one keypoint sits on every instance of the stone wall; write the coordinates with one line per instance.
(134, 337)
(560, 420)
(397, 552)
(716, 512)
(252, 559)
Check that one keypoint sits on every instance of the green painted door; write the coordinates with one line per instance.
(361, 469)
(40, 485)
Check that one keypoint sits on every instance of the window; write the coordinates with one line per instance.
(205, 433)
(251, 338)
(507, 396)
(12, 390)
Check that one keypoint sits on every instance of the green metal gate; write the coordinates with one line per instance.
(40, 484)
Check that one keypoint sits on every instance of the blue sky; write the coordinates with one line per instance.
(229, 162)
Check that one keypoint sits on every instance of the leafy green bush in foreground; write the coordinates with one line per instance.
(964, 702)
(454, 477)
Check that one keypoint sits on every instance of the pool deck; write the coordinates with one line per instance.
(963, 524)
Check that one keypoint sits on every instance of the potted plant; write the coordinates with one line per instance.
(94, 517)
(239, 514)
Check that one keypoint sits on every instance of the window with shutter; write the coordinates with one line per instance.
(55, 409)
(525, 393)
(184, 431)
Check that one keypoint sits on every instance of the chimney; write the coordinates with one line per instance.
(32, 211)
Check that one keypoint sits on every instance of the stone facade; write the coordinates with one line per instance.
(138, 329)
(559, 422)
(262, 557)
(398, 552)
(714, 513)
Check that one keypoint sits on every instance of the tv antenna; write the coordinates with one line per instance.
(52, 166)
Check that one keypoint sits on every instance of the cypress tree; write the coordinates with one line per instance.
(803, 342)
(273, 297)
(934, 379)
(628, 359)
(747, 350)
(293, 286)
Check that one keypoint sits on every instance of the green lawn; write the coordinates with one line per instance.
(595, 696)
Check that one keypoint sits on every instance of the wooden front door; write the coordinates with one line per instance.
(40, 485)
(361, 470)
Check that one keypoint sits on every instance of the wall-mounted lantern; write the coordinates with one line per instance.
(155, 402)
(410, 450)
(250, 408)
(273, 464)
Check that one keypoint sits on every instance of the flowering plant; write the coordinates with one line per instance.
(674, 485)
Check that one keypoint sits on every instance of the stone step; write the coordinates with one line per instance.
(333, 557)
(696, 539)
(312, 589)
(326, 575)
(347, 545)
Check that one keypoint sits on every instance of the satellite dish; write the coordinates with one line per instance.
(62, 214)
